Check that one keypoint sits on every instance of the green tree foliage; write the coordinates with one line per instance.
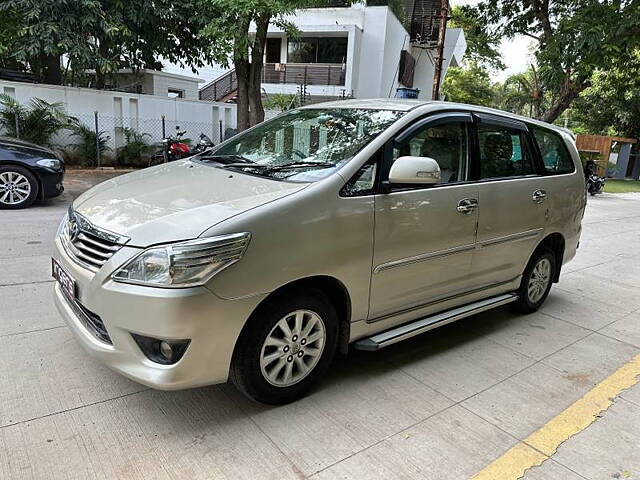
(233, 39)
(47, 30)
(470, 84)
(521, 93)
(483, 45)
(99, 35)
(611, 104)
(574, 40)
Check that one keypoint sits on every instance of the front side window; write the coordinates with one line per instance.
(503, 152)
(446, 144)
(303, 145)
(555, 155)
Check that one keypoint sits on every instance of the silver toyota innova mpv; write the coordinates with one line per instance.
(359, 222)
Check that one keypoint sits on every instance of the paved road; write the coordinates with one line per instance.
(441, 406)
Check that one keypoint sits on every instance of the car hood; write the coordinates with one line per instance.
(176, 201)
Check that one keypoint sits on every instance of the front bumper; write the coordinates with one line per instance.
(51, 182)
(211, 323)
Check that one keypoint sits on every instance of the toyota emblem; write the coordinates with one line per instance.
(73, 230)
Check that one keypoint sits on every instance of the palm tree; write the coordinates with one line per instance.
(37, 122)
(522, 93)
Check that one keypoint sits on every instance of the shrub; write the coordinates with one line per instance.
(281, 101)
(136, 150)
(86, 145)
(37, 122)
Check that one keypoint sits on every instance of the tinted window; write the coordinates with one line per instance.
(446, 144)
(503, 152)
(554, 152)
(317, 50)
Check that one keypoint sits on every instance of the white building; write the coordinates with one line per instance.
(154, 82)
(346, 51)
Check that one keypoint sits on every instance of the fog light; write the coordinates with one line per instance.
(165, 352)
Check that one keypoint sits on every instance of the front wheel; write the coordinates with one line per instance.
(286, 347)
(536, 281)
(18, 187)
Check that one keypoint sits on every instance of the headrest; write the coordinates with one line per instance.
(499, 146)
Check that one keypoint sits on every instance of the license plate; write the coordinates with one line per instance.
(66, 281)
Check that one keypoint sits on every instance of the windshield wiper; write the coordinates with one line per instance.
(228, 160)
(292, 165)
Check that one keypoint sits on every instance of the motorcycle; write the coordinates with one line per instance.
(595, 184)
(174, 149)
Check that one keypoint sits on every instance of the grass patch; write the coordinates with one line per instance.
(621, 186)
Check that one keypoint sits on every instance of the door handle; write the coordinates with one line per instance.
(466, 206)
(539, 196)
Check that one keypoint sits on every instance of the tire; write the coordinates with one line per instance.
(543, 265)
(18, 187)
(254, 363)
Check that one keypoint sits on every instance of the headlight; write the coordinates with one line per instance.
(185, 264)
(52, 163)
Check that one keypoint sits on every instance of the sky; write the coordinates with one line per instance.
(515, 55)
(515, 52)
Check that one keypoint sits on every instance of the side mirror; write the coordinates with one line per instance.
(416, 170)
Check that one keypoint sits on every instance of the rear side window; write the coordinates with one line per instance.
(555, 155)
(503, 152)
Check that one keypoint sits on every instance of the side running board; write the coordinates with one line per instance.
(408, 330)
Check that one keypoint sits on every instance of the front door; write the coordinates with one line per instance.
(425, 235)
(512, 201)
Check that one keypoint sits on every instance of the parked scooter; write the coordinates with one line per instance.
(174, 149)
(595, 184)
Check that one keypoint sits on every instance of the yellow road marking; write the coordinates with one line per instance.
(543, 443)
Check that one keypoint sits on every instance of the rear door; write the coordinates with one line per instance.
(512, 199)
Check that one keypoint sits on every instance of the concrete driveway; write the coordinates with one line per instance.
(450, 404)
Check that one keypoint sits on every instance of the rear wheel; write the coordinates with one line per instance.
(18, 187)
(286, 347)
(536, 281)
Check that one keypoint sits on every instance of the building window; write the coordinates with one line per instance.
(317, 50)
(175, 93)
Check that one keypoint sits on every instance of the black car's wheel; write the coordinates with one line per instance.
(18, 187)
(286, 347)
(536, 281)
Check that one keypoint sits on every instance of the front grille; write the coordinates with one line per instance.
(87, 244)
(90, 320)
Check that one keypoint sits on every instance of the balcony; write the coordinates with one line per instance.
(224, 87)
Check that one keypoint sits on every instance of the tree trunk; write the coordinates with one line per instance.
(243, 72)
(256, 109)
(242, 104)
(51, 72)
(103, 51)
(568, 94)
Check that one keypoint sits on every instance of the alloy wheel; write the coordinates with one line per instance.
(293, 348)
(539, 280)
(14, 188)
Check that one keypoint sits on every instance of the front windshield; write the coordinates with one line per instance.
(303, 145)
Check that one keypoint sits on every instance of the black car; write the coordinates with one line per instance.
(28, 172)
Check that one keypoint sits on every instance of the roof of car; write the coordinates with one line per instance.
(405, 105)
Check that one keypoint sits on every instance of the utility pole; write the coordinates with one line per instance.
(444, 16)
